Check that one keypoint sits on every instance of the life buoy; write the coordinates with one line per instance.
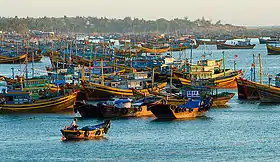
(98, 132)
(173, 107)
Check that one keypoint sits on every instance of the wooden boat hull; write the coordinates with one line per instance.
(219, 100)
(167, 111)
(272, 50)
(222, 99)
(268, 96)
(181, 48)
(269, 93)
(247, 90)
(227, 82)
(87, 110)
(45, 106)
(227, 46)
(78, 134)
(103, 111)
(209, 42)
(13, 60)
(86, 133)
(148, 50)
(100, 91)
(144, 110)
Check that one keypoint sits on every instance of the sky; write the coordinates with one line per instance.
(237, 12)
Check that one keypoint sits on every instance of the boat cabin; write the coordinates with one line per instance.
(35, 82)
(190, 95)
(17, 98)
(198, 75)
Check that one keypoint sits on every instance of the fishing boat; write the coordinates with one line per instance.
(102, 91)
(22, 102)
(220, 81)
(154, 51)
(37, 58)
(87, 132)
(239, 45)
(194, 107)
(210, 42)
(121, 85)
(263, 40)
(114, 107)
(13, 60)
(111, 108)
(272, 50)
(249, 89)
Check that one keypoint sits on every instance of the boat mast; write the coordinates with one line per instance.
(70, 53)
(191, 52)
(171, 78)
(102, 73)
(33, 63)
(260, 62)
(17, 47)
(89, 64)
(2, 39)
(13, 73)
(64, 58)
(26, 60)
(224, 66)
(254, 66)
(153, 77)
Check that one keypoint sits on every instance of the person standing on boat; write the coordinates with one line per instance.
(74, 124)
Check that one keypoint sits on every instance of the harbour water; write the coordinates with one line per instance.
(246, 131)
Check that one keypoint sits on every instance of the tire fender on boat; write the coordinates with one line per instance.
(140, 109)
(124, 111)
(190, 109)
(173, 107)
(98, 132)
(86, 133)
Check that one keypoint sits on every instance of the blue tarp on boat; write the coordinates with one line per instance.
(191, 104)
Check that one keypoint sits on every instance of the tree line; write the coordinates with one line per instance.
(105, 25)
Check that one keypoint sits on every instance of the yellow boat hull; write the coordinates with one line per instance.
(44, 106)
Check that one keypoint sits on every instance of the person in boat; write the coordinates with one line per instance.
(74, 124)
